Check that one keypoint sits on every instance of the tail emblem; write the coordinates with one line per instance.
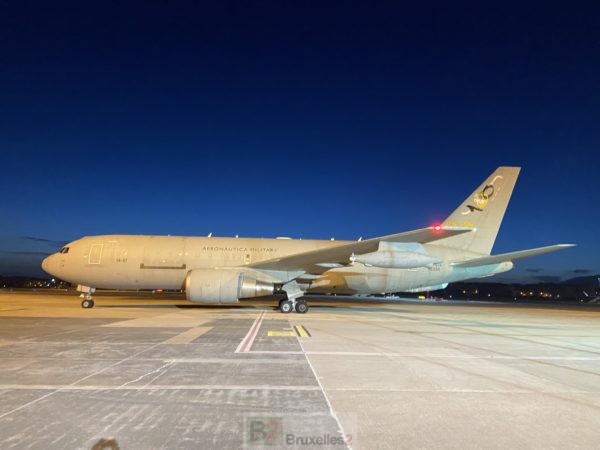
(481, 199)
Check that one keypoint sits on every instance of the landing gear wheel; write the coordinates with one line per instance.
(87, 303)
(286, 306)
(301, 306)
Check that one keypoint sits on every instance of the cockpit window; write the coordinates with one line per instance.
(64, 250)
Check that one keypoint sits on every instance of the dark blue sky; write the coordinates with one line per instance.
(307, 120)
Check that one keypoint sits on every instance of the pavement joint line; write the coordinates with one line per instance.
(246, 344)
(168, 364)
(420, 355)
(156, 387)
(462, 391)
(238, 360)
(431, 321)
(404, 355)
(187, 336)
(331, 411)
(39, 399)
(275, 352)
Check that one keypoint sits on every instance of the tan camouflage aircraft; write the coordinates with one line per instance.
(225, 270)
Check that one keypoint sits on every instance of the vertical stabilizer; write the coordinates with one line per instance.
(483, 211)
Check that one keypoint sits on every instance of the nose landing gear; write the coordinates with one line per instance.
(86, 295)
(87, 302)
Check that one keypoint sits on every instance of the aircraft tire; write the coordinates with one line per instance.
(301, 306)
(87, 303)
(286, 307)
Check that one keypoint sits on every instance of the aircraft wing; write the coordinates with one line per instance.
(319, 261)
(504, 257)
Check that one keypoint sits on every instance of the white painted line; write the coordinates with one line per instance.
(421, 355)
(458, 391)
(237, 361)
(273, 352)
(65, 387)
(248, 340)
(331, 411)
(156, 387)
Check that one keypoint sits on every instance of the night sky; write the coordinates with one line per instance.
(302, 119)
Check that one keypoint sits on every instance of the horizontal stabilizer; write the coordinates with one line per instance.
(505, 257)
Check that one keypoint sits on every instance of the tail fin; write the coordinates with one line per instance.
(483, 211)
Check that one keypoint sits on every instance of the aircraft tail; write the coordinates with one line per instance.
(483, 211)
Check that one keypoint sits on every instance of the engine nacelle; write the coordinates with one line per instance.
(396, 259)
(224, 286)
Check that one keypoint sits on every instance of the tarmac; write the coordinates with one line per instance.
(157, 372)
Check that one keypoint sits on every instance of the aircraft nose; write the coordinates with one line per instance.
(46, 264)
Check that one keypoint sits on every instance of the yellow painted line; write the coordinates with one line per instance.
(281, 333)
(301, 331)
(187, 336)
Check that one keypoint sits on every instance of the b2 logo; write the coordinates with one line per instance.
(264, 430)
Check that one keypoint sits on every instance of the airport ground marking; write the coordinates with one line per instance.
(301, 331)
(331, 411)
(280, 333)
(159, 387)
(246, 344)
(159, 371)
(65, 387)
(420, 355)
(187, 336)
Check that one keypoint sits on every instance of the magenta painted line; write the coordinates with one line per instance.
(248, 340)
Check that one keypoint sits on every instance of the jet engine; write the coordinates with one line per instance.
(224, 286)
(396, 259)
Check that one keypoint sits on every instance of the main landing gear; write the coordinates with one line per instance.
(287, 306)
(293, 300)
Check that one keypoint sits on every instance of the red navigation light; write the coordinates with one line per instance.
(437, 228)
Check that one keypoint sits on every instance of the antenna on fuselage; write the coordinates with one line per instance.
(210, 234)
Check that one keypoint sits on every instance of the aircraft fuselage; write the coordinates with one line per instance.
(163, 262)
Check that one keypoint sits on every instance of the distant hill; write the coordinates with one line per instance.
(588, 280)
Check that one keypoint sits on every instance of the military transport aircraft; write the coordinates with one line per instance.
(225, 270)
